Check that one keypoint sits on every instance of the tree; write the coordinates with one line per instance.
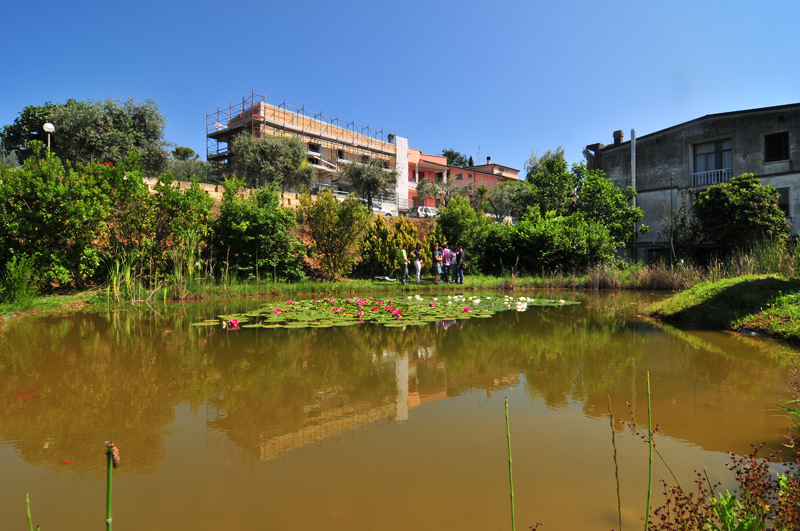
(470, 163)
(455, 158)
(509, 198)
(553, 181)
(336, 229)
(456, 219)
(184, 153)
(439, 189)
(255, 235)
(535, 163)
(108, 130)
(600, 200)
(280, 160)
(27, 127)
(370, 180)
(739, 213)
(54, 216)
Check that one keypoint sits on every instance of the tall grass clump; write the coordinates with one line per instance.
(18, 283)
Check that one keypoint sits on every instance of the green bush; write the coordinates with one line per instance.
(740, 213)
(18, 283)
(254, 235)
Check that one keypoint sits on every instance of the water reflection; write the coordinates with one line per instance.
(72, 382)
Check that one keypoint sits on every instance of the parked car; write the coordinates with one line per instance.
(423, 212)
(376, 209)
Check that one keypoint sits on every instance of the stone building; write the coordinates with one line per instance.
(694, 155)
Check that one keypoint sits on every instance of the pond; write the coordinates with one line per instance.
(368, 426)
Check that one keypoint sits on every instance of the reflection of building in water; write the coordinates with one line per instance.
(419, 378)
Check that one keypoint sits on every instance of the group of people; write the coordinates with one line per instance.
(448, 264)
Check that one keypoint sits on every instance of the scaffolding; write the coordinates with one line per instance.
(331, 143)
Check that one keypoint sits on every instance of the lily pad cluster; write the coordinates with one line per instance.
(392, 311)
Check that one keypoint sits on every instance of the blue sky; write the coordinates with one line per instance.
(501, 77)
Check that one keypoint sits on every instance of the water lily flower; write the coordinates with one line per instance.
(360, 314)
(335, 309)
(360, 306)
(433, 304)
(326, 299)
(233, 324)
(277, 310)
(314, 301)
(374, 308)
(467, 308)
(289, 302)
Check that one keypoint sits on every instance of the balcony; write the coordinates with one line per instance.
(707, 178)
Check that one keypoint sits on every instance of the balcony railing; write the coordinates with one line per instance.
(707, 178)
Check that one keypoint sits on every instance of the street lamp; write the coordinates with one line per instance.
(48, 128)
(671, 219)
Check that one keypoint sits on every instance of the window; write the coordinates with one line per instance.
(713, 162)
(459, 176)
(469, 176)
(783, 201)
(776, 147)
(340, 154)
(316, 148)
(364, 159)
(713, 156)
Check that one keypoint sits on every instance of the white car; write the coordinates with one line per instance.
(423, 212)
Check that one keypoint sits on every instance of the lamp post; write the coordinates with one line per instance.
(671, 219)
(48, 128)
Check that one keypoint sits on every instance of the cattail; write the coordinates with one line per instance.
(114, 453)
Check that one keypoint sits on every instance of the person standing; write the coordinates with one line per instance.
(437, 263)
(445, 263)
(454, 265)
(418, 260)
(404, 264)
(460, 260)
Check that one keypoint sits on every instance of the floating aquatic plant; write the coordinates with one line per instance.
(413, 311)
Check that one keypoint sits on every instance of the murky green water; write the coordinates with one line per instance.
(367, 427)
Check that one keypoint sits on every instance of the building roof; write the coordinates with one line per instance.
(706, 117)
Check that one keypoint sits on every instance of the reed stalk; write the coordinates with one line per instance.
(616, 465)
(109, 467)
(28, 507)
(650, 461)
(510, 475)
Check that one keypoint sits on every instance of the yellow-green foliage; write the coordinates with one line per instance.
(379, 249)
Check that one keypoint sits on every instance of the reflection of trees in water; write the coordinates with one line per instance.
(95, 378)
(119, 375)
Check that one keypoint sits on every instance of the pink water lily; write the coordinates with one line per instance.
(233, 324)
(467, 308)
(360, 314)
(289, 302)
(433, 304)
(374, 308)
(277, 310)
(360, 306)
(335, 309)
(314, 301)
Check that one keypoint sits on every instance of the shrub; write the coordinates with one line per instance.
(739, 213)
(255, 235)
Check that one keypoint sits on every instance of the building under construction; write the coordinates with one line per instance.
(331, 143)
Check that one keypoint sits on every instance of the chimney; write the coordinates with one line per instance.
(488, 160)
(618, 137)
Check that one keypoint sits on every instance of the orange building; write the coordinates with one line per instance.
(422, 166)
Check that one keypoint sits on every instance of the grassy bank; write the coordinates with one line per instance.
(768, 304)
